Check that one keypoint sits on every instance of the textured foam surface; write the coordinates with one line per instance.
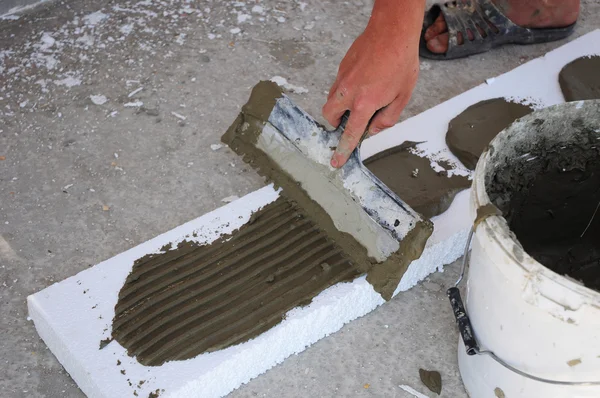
(74, 316)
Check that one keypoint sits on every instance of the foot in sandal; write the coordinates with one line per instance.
(464, 27)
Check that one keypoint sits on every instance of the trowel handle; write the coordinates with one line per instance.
(343, 123)
(339, 131)
(462, 320)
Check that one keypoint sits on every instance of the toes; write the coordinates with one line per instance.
(436, 28)
(438, 44)
(470, 35)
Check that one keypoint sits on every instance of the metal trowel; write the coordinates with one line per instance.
(285, 144)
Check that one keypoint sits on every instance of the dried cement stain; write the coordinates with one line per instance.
(470, 132)
(411, 177)
(580, 79)
(196, 299)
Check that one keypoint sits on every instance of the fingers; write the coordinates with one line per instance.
(336, 105)
(436, 28)
(357, 124)
(388, 116)
(333, 112)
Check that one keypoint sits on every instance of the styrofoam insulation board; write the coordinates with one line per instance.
(74, 315)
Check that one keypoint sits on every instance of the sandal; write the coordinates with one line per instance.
(486, 24)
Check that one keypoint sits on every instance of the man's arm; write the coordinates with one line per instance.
(379, 71)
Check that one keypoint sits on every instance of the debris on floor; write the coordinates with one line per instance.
(412, 391)
(230, 199)
(432, 380)
(99, 99)
(283, 83)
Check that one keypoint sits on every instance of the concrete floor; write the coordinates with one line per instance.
(81, 182)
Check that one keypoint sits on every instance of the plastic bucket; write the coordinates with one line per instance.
(534, 319)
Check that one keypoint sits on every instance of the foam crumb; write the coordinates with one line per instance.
(69, 81)
(241, 18)
(283, 83)
(99, 99)
(230, 199)
(412, 391)
(178, 116)
(133, 104)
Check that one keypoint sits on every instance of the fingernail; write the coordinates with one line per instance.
(334, 162)
(374, 131)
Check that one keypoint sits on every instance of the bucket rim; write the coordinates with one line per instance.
(497, 226)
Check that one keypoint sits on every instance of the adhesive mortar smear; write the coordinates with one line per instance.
(533, 290)
(191, 299)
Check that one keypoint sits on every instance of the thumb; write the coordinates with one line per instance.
(388, 116)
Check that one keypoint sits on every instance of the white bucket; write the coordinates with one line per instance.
(537, 321)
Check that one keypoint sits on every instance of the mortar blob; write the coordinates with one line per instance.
(471, 131)
(580, 79)
(413, 179)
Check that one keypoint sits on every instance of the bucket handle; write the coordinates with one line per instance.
(466, 329)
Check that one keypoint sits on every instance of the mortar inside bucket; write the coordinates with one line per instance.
(543, 173)
(533, 291)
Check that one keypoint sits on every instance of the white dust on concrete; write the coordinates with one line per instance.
(284, 84)
(412, 391)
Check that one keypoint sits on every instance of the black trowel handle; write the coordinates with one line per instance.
(343, 123)
(462, 320)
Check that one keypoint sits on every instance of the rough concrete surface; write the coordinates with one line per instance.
(87, 171)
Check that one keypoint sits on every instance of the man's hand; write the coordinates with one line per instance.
(379, 72)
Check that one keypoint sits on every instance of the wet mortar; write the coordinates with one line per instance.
(241, 138)
(200, 298)
(411, 177)
(580, 79)
(196, 299)
(550, 199)
(471, 131)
